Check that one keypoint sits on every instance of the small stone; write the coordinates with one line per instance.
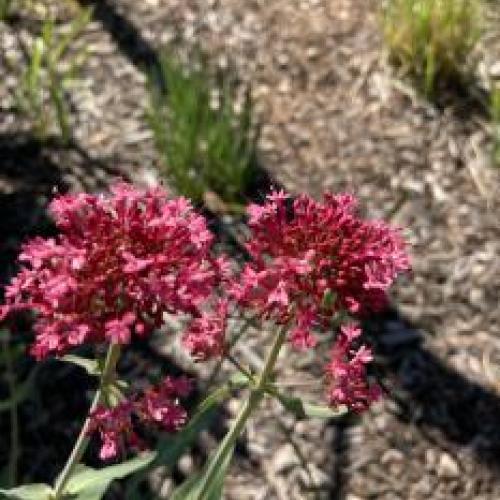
(477, 297)
(285, 458)
(448, 467)
(391, 456)
(233, 406)
(351, 496)
(166, 488)
(320, 478)
(495, 70)
(430, 458)
(186, 464)
(422, 489)
(312, 52)
(284, 86)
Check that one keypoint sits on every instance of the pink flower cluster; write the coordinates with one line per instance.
(346, 372)
(313, 259)
(120, 262)
(205, 336)
(158, 405)
(123, 260)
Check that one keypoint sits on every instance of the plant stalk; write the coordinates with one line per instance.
(14, 418)
(255, 397)
(82, 442)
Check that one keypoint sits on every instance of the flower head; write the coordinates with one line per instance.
(313, 259)
(205, 336)
(115, 429)
(120, 262)
(159, 406)
(346, 372)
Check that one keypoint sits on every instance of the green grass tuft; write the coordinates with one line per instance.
(205, 145)
(495, 119)
(432, 40)
(42, 93)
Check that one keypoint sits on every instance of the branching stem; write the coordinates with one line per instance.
(82, 442)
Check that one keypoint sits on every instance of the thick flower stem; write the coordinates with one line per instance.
(107, 376)
(255, 397)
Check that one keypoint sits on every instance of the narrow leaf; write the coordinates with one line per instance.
(91, 366)
(319, 411)
(191, 489)
(37, 491)
(304, 410)
(171, 448)
(91, 484)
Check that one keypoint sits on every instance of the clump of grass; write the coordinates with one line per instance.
(495, 118)
(42, 93)
(5, 9)
(432, 40)
(205, 145)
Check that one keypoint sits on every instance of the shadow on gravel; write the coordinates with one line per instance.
(433, 396)
(28, 177)
(447, 408)
(31, 172)
(128, 38)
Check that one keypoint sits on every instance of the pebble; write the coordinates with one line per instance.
(448, 467)
(477, 297)
(185, 464)
(285, 458)
(319, 478)
(495, 70)
(351, 496)
(422, 488)
(392, 455)
(430, 458)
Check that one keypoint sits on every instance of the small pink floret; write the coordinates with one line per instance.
(346, 372)
(158, 406)
(205, 336)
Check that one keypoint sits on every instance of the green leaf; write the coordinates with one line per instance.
(37, 491)
(76, 27)
(191, 489)
(307, 410)
(186, 488)
(91, 366)
(319, 411)
(171, 448)
(91, 484)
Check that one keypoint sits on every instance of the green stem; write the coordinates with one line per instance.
(107, 376)
(240, 367)
(14, 431)
(246, 410)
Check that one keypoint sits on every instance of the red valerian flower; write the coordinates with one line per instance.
(346, 372)
(120, 262)
(204, 337)
(115, 429)
(313, 259)
(159, 405)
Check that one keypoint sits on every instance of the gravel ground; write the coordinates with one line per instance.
(334, 116)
